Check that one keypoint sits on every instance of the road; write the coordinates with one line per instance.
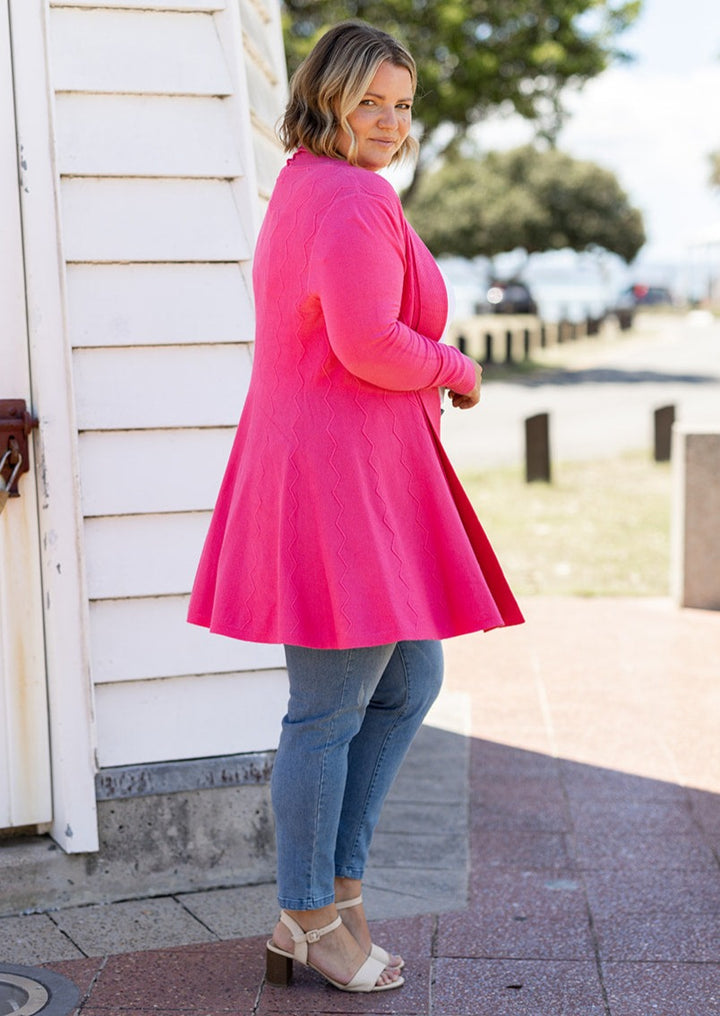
(601, 397)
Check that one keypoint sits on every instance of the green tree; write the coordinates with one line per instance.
(477, 56)
(525, 198)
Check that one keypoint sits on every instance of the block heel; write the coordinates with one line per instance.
(278, 968)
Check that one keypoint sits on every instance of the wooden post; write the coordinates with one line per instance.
(508, 347)
(462, 343)
(488, 347)
(664, 418)
(537, 448)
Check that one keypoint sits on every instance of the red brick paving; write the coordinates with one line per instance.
(594, 844)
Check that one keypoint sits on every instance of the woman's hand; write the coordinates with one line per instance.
(473, 397)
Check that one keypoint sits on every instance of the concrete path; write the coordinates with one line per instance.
(601, 394)
(551, 849)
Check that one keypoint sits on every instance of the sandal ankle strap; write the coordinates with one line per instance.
(305, 939)
(346, 904)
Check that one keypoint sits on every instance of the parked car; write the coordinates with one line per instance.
(649, 296)
(469, 282)
(510, 296)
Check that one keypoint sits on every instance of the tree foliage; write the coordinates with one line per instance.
(476, 56)
(525, 198)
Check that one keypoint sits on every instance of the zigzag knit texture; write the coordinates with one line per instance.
(340, 522)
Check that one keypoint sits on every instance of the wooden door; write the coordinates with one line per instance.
(25, 789)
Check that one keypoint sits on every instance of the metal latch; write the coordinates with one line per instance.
(16, 425)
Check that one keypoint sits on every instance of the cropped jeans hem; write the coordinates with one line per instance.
(288, 903)
(356, 873)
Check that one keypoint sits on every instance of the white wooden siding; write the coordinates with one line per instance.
(180, 648)
(138, 472)
(147, 387)
(158, 304)
(152, 220)
(166, 153)
(146, 136)
(259, 75)
(259, 37)
(143, 52)
(157, 720)
(266, 84)
(266, 156)
(146, 5)
(143, 555)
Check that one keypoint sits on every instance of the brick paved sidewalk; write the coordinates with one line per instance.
(569, 792)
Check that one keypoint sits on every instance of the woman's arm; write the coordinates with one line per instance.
(357, 268)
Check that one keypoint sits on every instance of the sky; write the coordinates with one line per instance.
(653, 122)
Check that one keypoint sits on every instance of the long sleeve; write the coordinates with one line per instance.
(358, 272)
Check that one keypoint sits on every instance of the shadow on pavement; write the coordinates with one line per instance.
(606, 375)
(590, 891)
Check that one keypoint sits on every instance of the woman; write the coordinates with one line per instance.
(341, 529)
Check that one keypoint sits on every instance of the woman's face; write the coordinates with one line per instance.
(381, 121)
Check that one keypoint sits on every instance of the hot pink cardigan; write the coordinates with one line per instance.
(340, 522)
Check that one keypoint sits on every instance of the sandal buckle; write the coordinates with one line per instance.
(313, 936)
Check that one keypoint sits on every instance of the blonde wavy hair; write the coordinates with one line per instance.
(330, 83)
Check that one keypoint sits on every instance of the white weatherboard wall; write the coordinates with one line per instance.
(164, 115)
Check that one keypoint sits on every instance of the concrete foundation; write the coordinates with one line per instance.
(163, 829)
(695, 561)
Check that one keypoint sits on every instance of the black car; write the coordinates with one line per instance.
(510, 296)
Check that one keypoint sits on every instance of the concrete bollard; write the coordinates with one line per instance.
(695, 537)
(537, 448)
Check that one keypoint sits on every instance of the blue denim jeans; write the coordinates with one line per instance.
(351, 717)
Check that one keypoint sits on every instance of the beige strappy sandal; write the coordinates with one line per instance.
(279, 962)
(376, 951)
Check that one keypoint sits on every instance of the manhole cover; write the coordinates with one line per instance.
(25, 991)
(21, 996)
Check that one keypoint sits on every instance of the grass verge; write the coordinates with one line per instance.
(601, 528)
